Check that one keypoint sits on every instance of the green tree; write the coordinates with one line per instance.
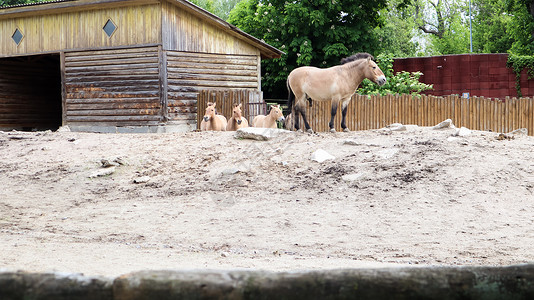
(491, 26)
(522, 26)
(447, 24)
(220, 8)
(397, 35)
(310, 32)
(15, 2)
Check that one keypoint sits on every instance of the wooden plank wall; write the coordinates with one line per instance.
(30, 93)
(477, 113)
(182, 31)
(189, 73)
(82, 29)
(113, 87)
(251, 100)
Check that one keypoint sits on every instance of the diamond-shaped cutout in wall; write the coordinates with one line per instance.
(109, 27)
(17, 36)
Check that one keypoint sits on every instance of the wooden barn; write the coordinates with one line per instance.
(118, 65)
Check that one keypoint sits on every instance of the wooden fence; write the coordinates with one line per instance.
(477, 113)
(251, 100)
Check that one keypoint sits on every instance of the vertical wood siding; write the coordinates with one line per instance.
(113, 87)
(188, 73)
(136, 25)
(30, 93)
(477, 113)
(186, 32)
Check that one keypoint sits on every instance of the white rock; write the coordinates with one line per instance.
(351, 142)
(230, 171)
(462, 132)
(142, 179)
(387, 153)
(65, 128)
(320, 156)
(260, 134)
(102, 172)
(445, 124)
(352, 177)
(519, 132)
(396, 127)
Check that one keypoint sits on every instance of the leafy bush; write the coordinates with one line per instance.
(400, 83)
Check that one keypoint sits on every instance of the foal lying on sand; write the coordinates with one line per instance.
(212, 121)
(269, 121)
(237, 120)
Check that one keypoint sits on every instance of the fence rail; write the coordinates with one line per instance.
(477, 113)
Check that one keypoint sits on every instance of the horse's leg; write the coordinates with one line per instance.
(333, 115)
(302, 111)
(296, 118)
(344, 107)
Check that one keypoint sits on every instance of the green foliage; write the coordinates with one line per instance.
(491, 24)
(311, 32)
(15, 2)
(399, 83)
(220, 8)
(522, 27)
(518, 63)
(208, 5)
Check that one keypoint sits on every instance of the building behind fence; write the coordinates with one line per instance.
(477, 113)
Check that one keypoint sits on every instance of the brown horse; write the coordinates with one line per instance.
(269, 121)
(337, 83)
(237, 120)
(211, 120)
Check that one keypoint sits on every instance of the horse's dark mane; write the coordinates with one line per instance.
(356, 57)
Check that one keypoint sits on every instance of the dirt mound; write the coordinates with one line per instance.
(208, 200)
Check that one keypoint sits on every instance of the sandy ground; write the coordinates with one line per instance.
(418, 197)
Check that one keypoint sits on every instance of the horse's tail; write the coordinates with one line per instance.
(291, 96)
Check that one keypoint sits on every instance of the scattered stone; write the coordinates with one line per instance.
(142, 179)
(396, 127)
(107, 164)
(352, 177)
(17, 137)
(103, 172)
(387, 153)
(445, 124)
(502, 137)
(462, 132)
(351, 142)
(260, 134)
(320, 156)
(119, 160)
(519, 132)
(230, 171)
(65, 128)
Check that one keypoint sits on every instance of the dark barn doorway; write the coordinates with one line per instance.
(30, 93)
